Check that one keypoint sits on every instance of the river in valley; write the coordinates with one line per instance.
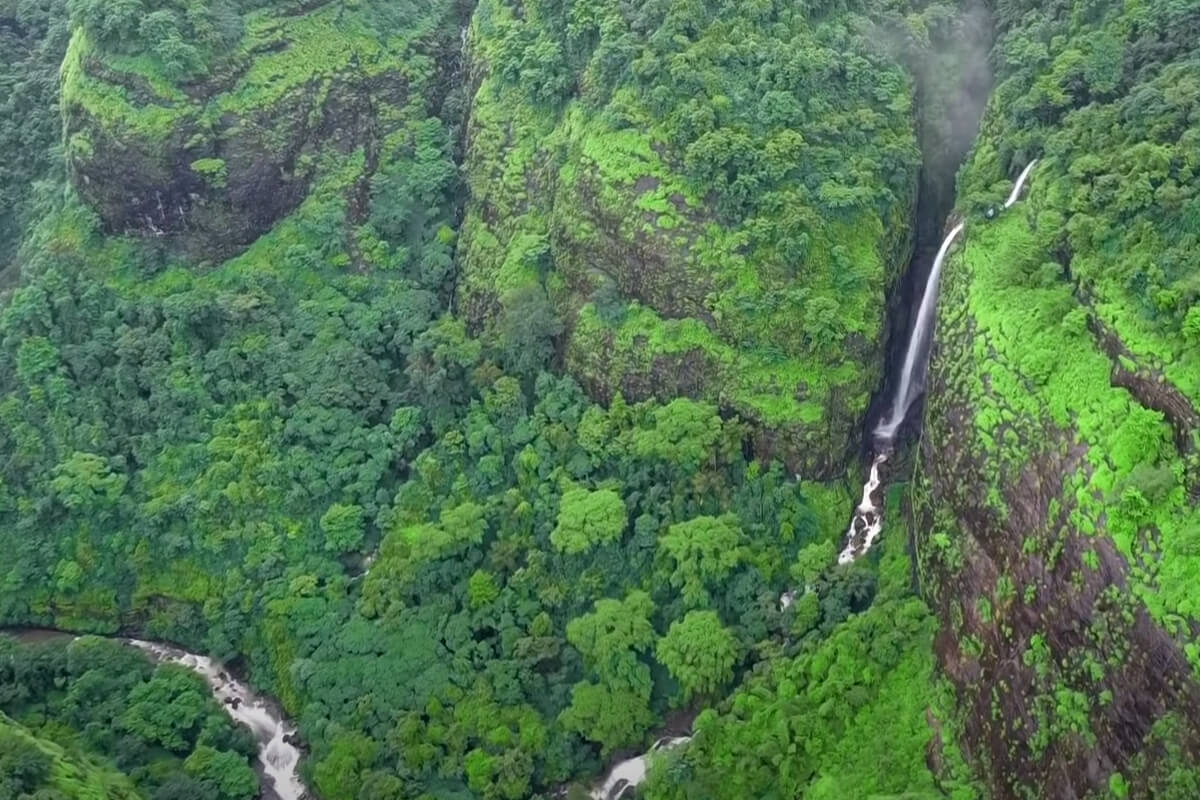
(278, 755)
(627, 775)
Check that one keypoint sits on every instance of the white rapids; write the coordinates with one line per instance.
(871, 517)
(867, 523)
(630, 773)
(278, 758)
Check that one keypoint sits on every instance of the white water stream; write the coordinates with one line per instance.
(630, 773)
(868, 519)
(867, 523)
(278, 758)
(1015, 195)
(916, 357)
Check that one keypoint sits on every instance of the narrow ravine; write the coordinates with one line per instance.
(867, 523)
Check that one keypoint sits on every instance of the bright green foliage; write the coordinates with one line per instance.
(482, 588)
(714, 198)
(612, 636)
(841, 715)
(338, 774)
(203, 124)
(23, 765)
(812, 561)
(700, 653)
(611, 717)
(168, 709)
(283, 382)
(343, 527)
(33, 39)
(702, 549)
(587, 519)
(1065, 424)
(227, 773)
(37, 768)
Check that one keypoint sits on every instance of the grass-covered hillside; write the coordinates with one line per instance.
(1060, 454)
(31, 767)
(714, 198)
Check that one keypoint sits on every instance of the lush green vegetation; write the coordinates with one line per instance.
(1069, 331)
(714, 197)
(64, 704)
(847, 695)
(32, 768)
(462, 576)
(447, 369)
(33, 38)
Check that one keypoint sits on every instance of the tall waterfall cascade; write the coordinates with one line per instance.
(867, 523)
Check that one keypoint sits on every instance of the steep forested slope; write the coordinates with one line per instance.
(714, 197)
(92, 706)
(447, 368)
(1060, 453)
(236, 414)
(33, 38)
(31, 767)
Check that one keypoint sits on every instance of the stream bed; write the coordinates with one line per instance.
(278, 760)
(278, 755)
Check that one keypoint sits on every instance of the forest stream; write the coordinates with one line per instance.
(278, 756)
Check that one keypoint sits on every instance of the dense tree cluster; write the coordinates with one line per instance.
(335, 461)
(33, 37)
(713, 196)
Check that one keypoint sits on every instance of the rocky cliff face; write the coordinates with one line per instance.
(208, 162)
(715, 210)
(1059, 492)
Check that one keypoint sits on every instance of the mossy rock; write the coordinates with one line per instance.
(210, 164)
(625, 194)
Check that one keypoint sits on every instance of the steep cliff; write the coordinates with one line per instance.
(1059, 466)
(208, 126)
(715, 202)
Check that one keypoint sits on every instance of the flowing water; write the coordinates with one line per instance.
(916, 357)
(867, 523)
(629, 774)
(278, 757)
(1020, 184)
(868, 518)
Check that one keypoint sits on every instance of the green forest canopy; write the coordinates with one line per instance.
(327, 358)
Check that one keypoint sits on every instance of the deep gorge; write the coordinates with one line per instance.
(489, 384)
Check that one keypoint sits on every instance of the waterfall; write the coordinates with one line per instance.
(867, 523)
(868, 519)
(1016, 190)
(912, 374)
